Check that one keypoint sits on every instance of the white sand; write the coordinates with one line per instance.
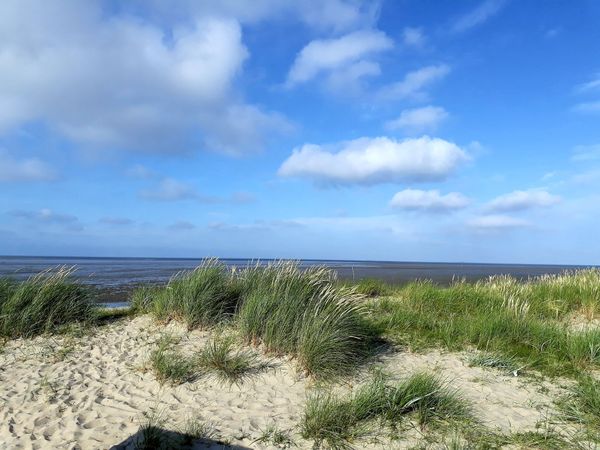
(95, 396)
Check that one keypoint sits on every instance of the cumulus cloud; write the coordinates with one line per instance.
(431, 201)
(345, 54)
(414, 83)
(497, 222)
(522, 200)
(418, 119)
(23, 170)
(375, 160)
(122, 83)
(477, 16)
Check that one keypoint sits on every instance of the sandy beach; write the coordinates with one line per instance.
(94, 391)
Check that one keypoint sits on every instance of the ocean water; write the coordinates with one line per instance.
(114, 278)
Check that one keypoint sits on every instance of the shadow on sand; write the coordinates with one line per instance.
(156, 438)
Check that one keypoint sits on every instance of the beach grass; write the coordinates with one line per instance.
(373, 287)
(335, 421)
(44, 303)
(201, 298)
(306, 314)
(582, 405)
(170, 365)
(231, 365)
(526, 321)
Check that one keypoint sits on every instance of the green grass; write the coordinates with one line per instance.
(201, 297)
(582, 405)
(503, 363)
(276, 437)
(170, 365)
(336, 421)
(372, 287)
(524, 321)
(44, 303)
(306, 314)
(227, 363)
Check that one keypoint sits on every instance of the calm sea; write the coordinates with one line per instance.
(115, 277)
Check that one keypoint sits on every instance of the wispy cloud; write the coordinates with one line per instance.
(582, 153)
(481, 14)
(495, 222)
(413, 37)
(117, 221)
(343, 60)
(429, 201)
(182, 225)
(417, 120)
(23, 170)
(523, 200)
(587, 107)
(414, 83)
(172, 190)
(47, 216)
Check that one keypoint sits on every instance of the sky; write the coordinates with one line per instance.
(406, 130)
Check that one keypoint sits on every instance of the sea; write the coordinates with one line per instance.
(115, 278)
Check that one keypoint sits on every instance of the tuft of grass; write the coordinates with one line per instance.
(143, 298)
(582, 404)
(335, 422)
(372, 287)
(229, 365)
(276, 437)
(195, 429)
(306, 314)
(202, 298)
(170, 365)
(503, 363)
(44, 303)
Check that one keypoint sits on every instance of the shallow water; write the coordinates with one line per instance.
(115, 277)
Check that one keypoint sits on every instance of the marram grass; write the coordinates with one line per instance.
(43, 303)
(336, 421)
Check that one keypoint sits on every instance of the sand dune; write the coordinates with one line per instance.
(93, 392)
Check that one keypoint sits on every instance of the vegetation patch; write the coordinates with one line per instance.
(170, 365)
(44, 303)
(335, 421)
(221, 358)
(523, 321)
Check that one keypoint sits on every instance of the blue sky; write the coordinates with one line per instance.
(413, 130)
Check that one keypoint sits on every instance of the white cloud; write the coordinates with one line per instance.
(591, 85)
(478, 16)
(47, 216)
(322, 15)
(376, 160)
(418, 119)
(432, 200)
(586, 153)
(497, 222)
(522, 200)
(123, 83)
(413, 37)
(330, 55)
(170, 190)
(24, 170)
(414, 83)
